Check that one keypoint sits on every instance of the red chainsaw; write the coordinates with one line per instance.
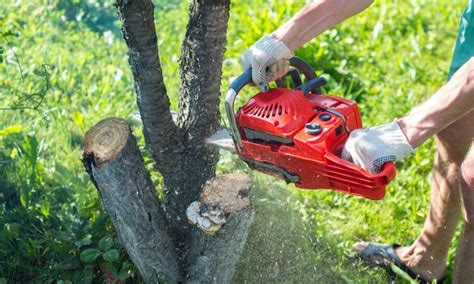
(298, 134)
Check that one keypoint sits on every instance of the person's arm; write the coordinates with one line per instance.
(315, 18)
(448, 104)
(269, 56)
(370, 148)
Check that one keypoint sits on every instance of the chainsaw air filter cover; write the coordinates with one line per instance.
(279, 112)
(299, 134)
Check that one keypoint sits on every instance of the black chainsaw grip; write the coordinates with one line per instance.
(304, 67)
(246, 77)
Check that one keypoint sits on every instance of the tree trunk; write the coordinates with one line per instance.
(184, 160)
(115, 164)
(200, 69)
(222, 216)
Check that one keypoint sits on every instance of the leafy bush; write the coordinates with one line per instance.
(46, 234)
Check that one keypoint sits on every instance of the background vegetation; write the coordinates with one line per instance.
(73, 60)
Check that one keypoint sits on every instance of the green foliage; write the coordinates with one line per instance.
(52, 225)
(50, 216)
(47, 233)
(99, 16)
(4, 34)
(27, 90)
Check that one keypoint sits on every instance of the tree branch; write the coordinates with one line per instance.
(115, 164)
(201, 63)
(138, 30)
(200, 71)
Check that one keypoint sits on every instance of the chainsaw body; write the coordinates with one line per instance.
(298, 135)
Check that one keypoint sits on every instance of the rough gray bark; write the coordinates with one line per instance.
(218, 256)
(115, 164)
(179, 151)
(201, 63)
(181, 155)
(138, 30)
(200, 69)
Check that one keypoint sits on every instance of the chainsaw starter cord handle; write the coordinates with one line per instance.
(246, 78)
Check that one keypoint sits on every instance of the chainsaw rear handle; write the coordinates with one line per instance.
(246, 78)
(387, 173)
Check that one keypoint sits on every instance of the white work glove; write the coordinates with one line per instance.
(372, 147)
(269, 60)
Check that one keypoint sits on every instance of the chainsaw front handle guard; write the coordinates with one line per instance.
(245, 79)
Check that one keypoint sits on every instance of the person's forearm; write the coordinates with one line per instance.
(453, 101)
(316, 18)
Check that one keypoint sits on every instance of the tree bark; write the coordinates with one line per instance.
(115, 164)
(182, 157)
(200, 70)
(201, 64)
(216, 257)
(138, 30)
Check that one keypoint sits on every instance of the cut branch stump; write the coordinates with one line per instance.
(223, 216)
(115, 164)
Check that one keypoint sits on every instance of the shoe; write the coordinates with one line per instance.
(384, 255)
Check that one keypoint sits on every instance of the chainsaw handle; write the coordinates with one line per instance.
(234, 89)
(245, 79)
(304, 67)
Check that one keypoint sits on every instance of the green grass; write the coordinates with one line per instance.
(388, 59)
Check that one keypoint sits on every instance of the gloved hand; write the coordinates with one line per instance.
(269, 60)
(372, 147)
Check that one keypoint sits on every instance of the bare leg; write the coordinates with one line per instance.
(448, 114)
(464, 271)
(427, 255)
